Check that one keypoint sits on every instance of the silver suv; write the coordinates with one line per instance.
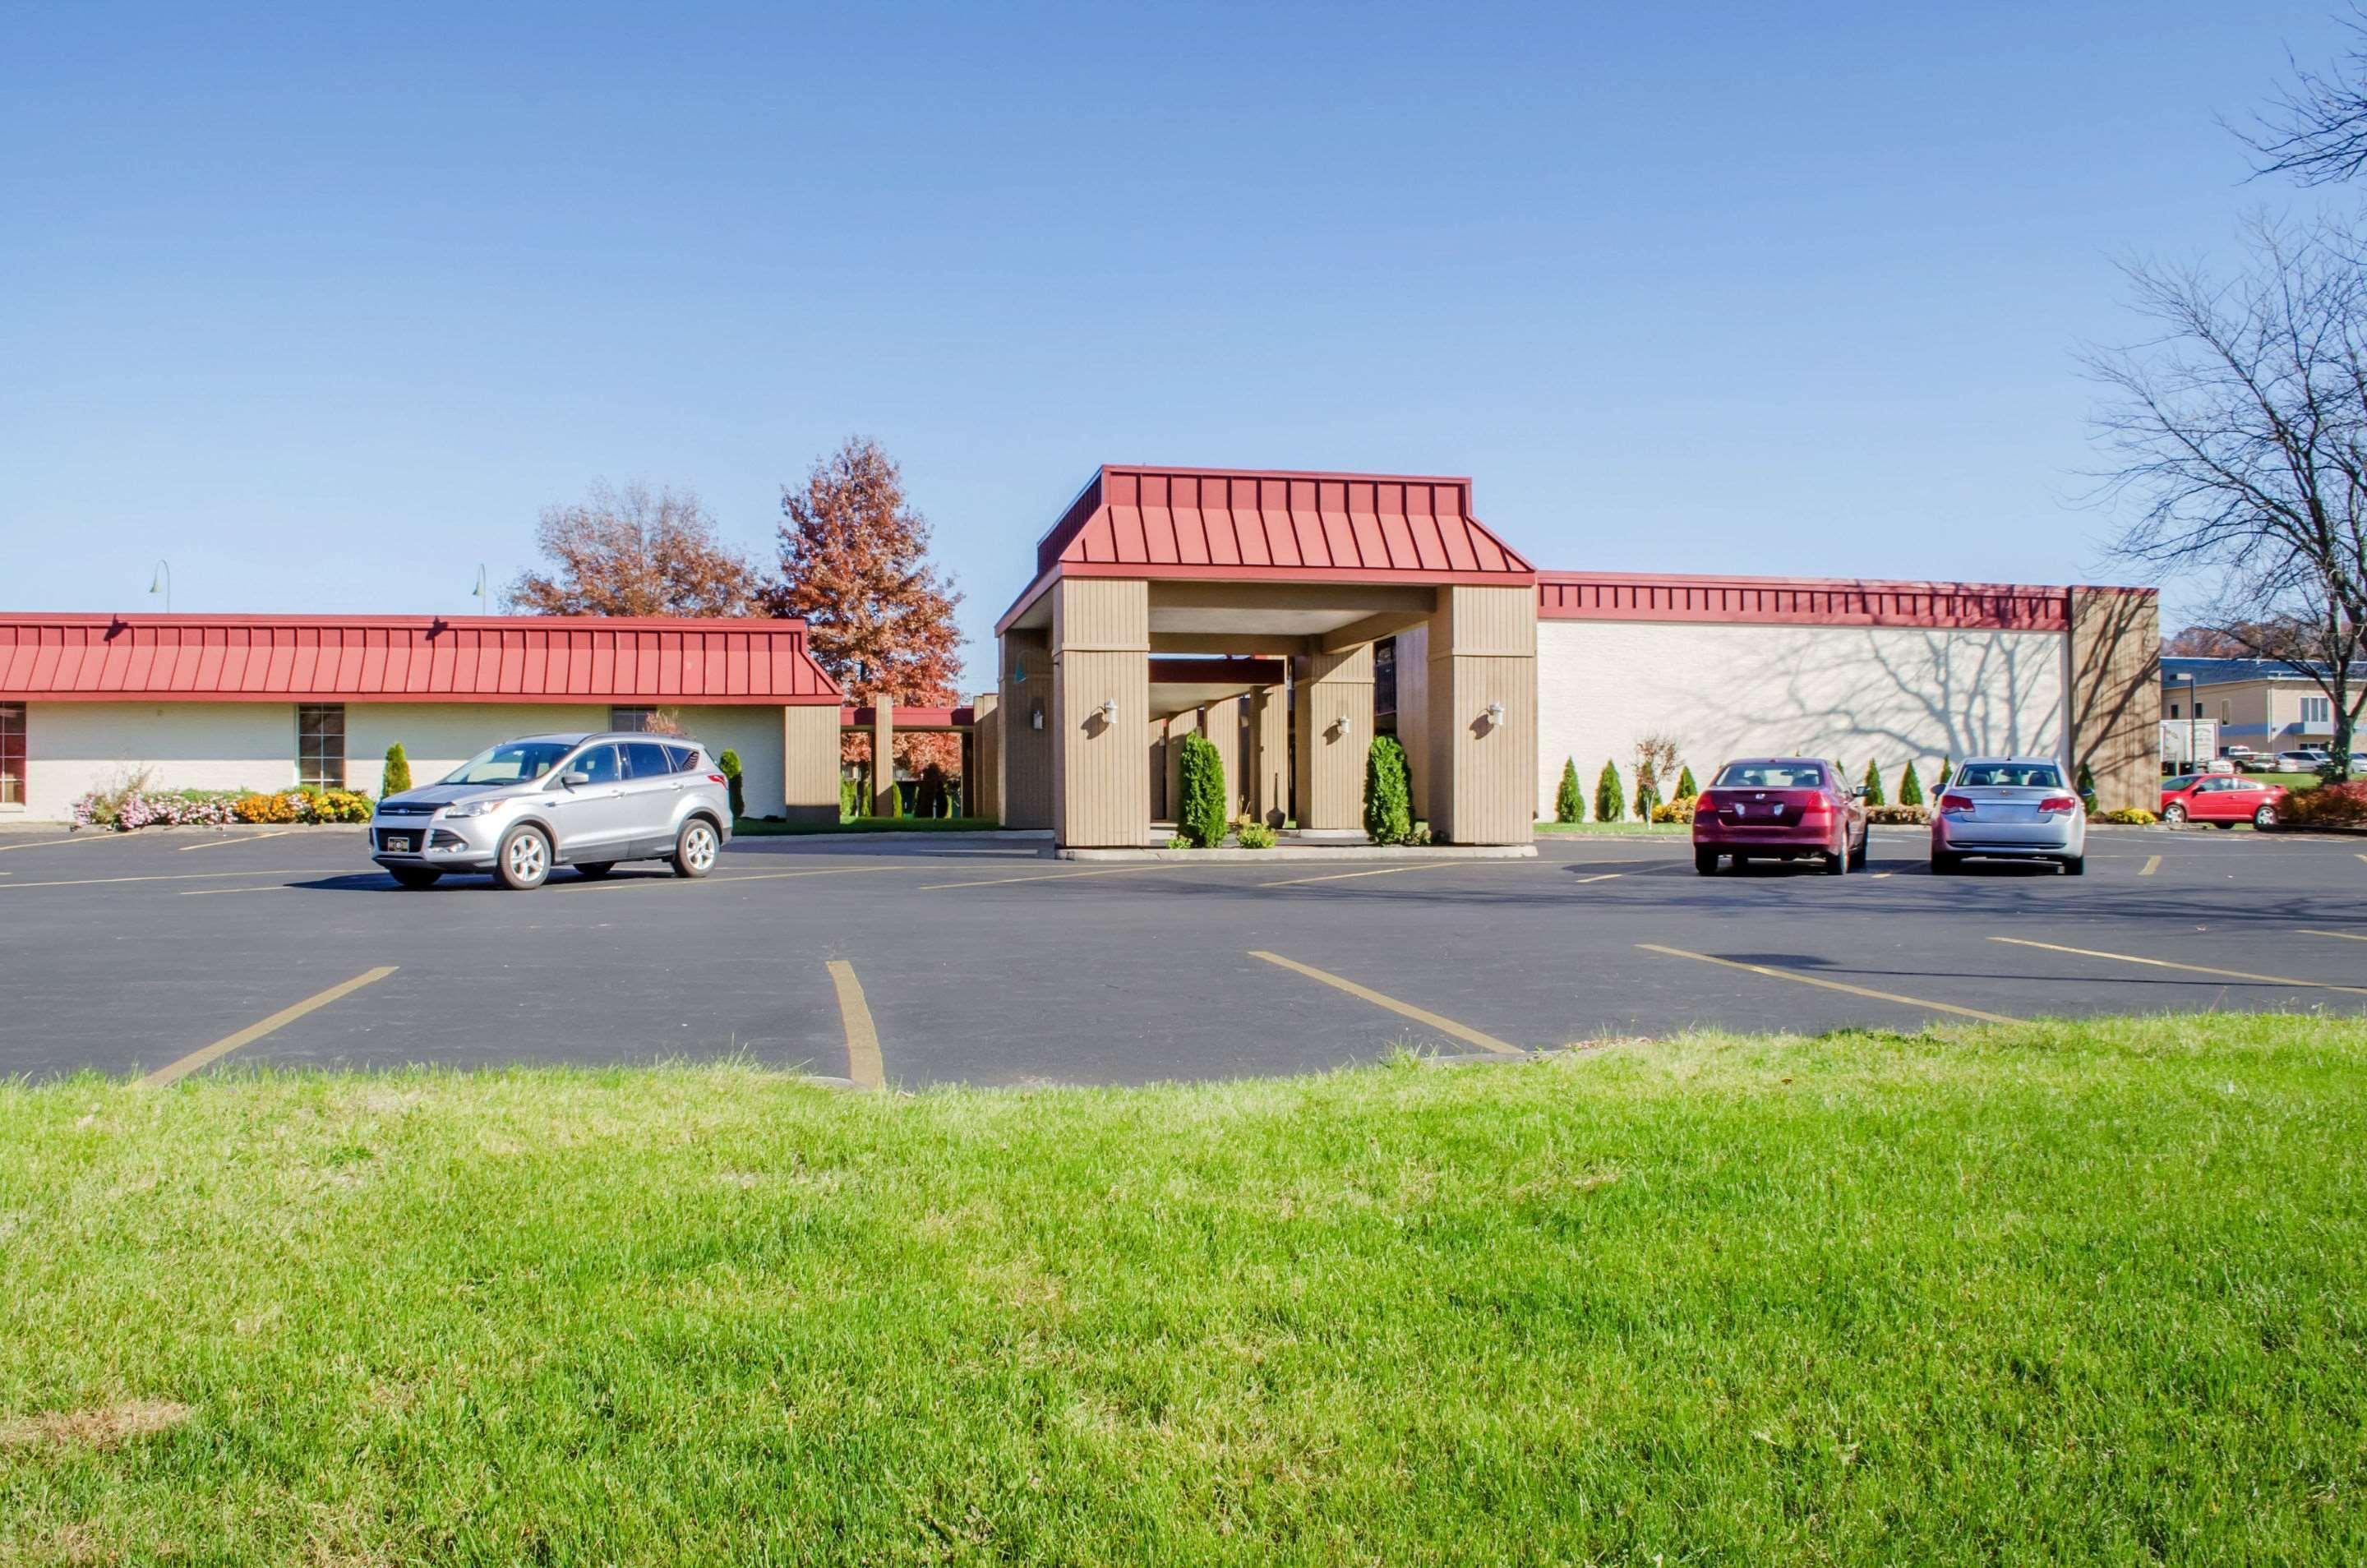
(588, 801)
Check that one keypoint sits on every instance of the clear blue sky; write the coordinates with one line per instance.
(323, 304)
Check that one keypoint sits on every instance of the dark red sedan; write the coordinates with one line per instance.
(2224, 799)
(1779, 808)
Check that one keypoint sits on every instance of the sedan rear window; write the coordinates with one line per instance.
(1771, 775)
(2010, 776)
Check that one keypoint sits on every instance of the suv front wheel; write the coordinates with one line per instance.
(525, 861)
(694, 848)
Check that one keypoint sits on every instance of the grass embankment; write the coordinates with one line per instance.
(2048, 1293)
(1678, 829)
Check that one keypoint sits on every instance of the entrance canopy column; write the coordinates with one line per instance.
(1334, 727)
(1483, 716)
(1100, 696)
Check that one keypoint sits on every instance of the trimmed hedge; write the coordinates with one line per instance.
(398, 771)
(1570, 800)
(1610, 800)
(728, 765)
(1201, 816)
(1389, 793)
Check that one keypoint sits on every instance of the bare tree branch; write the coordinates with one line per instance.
(2238, 438)
(2315, 130)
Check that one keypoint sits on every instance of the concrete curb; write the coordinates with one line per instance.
(1343, 854)
(1037, 835)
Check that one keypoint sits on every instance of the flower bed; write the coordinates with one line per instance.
(133, 806)
(2327, 805)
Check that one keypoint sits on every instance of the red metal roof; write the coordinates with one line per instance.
(1800, 601)
(386, 659)
(1275, 526)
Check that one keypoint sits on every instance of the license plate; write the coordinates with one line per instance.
(403, 842)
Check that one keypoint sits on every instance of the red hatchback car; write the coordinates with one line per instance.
(2224, 799)
(1779, 808)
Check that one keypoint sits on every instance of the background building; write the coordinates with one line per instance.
(2253, 701)
(1288, 616)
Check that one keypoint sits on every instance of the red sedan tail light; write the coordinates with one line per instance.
(2059, 802)
(1953, 802)
(1705, 807)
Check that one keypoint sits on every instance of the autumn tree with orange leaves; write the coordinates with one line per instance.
(629, 552)
(854, 564)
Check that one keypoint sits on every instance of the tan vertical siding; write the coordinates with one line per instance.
(1027, 748)
(1269, 754)
(1221, 723)
(1331, 763)
(1413, 711)
(985, 792)
(1101, 652)
(2113, 693)
(810, 752)
(883, 756)
(1482, 645)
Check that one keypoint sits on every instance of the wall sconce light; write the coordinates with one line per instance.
(1108, 710)
(1495, 713)
(1035, 718)
(1343, 726)
(1019, 675)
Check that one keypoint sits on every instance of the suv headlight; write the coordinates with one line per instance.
(475, 807)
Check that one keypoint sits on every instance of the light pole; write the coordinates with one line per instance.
(162, 582)
(2193, 762)
(480, 591)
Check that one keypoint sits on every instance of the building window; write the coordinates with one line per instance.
(2174, 712)
(12, 753)
(632, 721)
(2317, 710)
(1385, 682)
(321, 746)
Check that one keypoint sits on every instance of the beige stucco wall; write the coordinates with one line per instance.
(1848, 692)
(439, 737)
(73, 747)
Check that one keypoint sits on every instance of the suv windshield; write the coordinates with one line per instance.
(2010, 775)
(510, 762)
(1771, 775)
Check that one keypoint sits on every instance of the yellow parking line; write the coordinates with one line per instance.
(211, 892)
(1048, 876)
(2152, 864)
(2190, 968)
(1344, 876)
(235, 838)
(863, 1064)
(52, 844)
(1578, 881)
(1829, 985)
(1404, 1009)
(2346, 936)
(255, 1032)
(179, 876)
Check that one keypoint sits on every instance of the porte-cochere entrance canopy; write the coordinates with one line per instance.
(1245, 605)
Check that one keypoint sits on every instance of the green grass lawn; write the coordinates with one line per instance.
(2039, 1294)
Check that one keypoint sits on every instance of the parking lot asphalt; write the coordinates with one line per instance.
(985, 962)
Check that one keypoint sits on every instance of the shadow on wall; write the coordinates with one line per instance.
(1898, 695)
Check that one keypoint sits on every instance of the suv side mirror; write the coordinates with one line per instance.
(574, 776)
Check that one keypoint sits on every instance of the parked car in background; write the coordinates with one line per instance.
(2191, 797)
(2245, 759)
(589, 801)
(2008, 809)
(1778, 809)
(2299, 761)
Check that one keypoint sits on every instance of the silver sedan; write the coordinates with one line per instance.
(2008, 809)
